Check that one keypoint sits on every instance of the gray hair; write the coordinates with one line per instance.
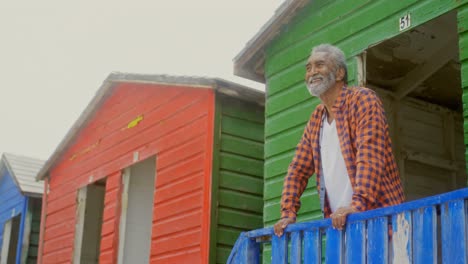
(337, 56)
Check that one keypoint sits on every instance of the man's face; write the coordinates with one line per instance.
(320, 75)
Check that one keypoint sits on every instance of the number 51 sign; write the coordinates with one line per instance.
(405, 22)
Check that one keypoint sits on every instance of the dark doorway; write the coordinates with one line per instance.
(417, 75)
(89, 223)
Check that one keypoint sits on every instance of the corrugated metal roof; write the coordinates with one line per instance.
(223, 86)
(252, 56)
(24, 171)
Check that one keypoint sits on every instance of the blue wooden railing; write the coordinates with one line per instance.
(429, 230)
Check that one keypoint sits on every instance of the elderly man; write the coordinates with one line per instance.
(346, 143)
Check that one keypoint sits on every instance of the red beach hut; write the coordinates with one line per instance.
(157, 169)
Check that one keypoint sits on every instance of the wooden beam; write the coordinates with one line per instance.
(6, 241)
(80, 219)
(123, 214)
(361, 69)
(43, 219)
(431, 160)
(417, 76)
(27, 230)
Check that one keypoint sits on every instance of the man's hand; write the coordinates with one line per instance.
(339, 216)
(281, 225)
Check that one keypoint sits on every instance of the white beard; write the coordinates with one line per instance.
(326, 83)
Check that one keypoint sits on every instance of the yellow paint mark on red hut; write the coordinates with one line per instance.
(84, 151)
(135, 121)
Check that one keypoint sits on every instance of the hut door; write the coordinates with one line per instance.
(10, 240)
(417, 75)
(137, 212)
(89, 223)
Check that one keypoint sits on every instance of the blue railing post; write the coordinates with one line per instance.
(245, 250)
(402, 226)
(453, 218)
(313, 246)
(249, 251)
(279, 249)
(377, 240)
(356, 250)
(296, 248)
(334, 246)
(425, 235)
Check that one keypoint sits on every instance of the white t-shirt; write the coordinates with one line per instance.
(335, 175)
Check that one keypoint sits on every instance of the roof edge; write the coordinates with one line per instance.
(71, 134)
(33, 194)
(7, 167)
(245, 63)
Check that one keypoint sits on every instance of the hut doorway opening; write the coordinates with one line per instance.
(417, 75)
(137, 212)
(89, 223)
(10, 240)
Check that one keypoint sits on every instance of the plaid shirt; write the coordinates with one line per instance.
(367, 151)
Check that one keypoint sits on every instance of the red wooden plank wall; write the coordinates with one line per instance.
(177, 127)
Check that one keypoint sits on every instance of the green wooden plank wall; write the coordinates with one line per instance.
(240, 191)
(463, 47)
(353, 25)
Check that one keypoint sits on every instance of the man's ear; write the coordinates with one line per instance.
(340, 73)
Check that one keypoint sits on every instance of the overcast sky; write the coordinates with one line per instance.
(55, 54)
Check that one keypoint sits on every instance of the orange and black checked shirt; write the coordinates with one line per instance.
(367, 151)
